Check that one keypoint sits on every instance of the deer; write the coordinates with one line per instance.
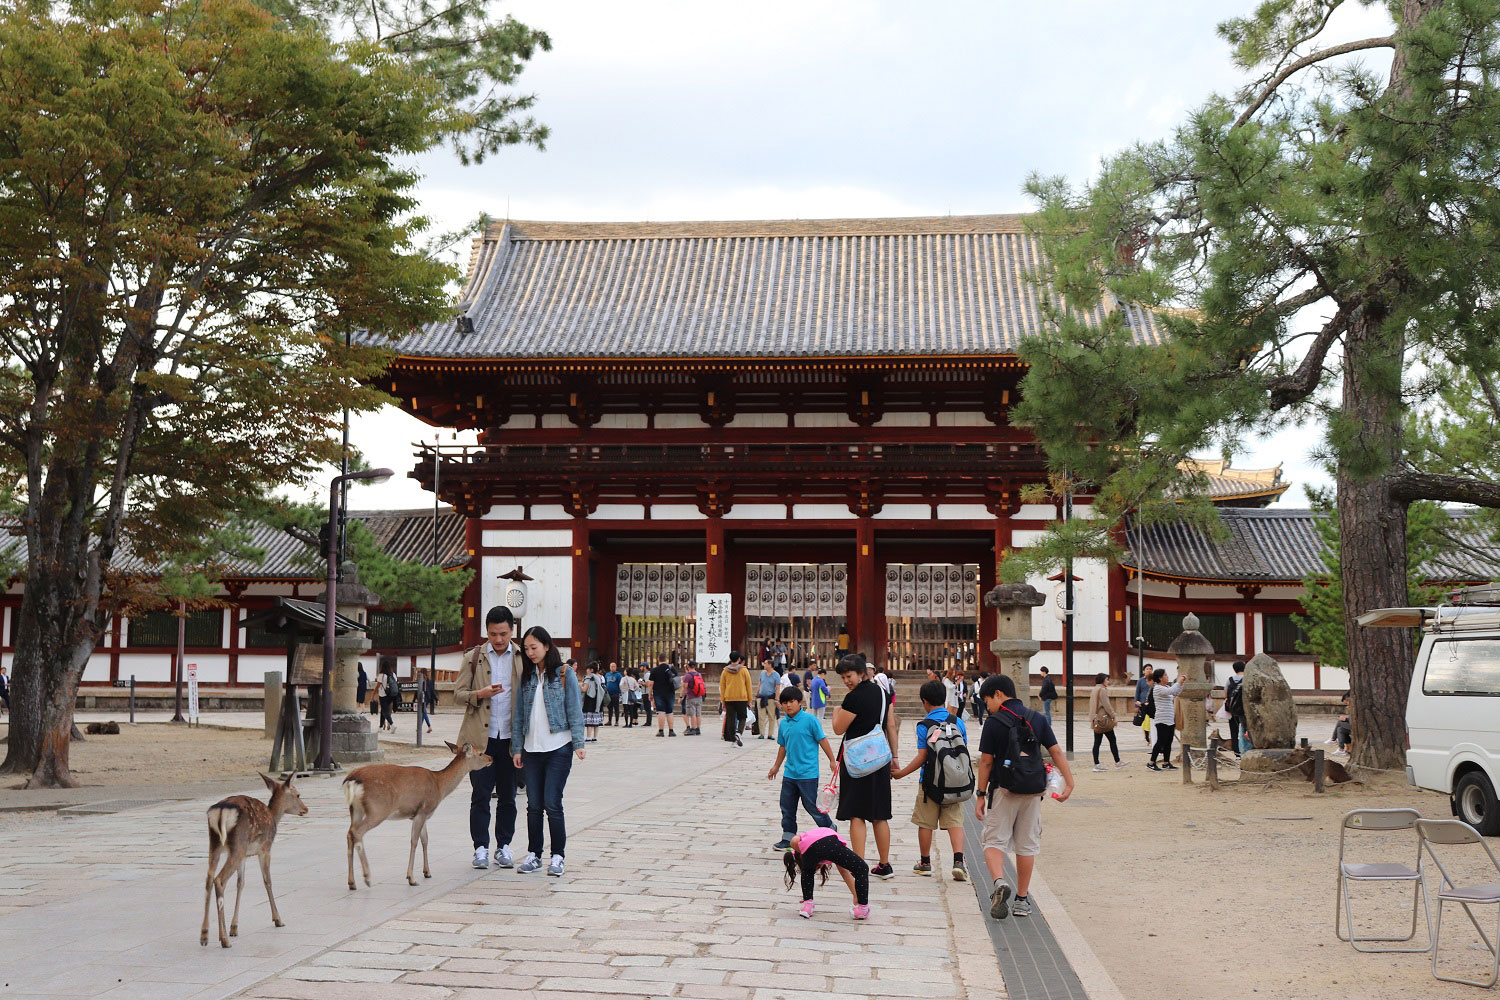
(378, 792)
(242, 827)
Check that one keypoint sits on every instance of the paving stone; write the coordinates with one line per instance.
(375, 960)
(483, 980)
(296, 989)
(318, 973)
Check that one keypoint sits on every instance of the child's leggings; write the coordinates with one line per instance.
(833, 850)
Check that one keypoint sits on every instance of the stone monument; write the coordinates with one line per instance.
(1270, 717)
(1194, 654)
(353, 742)
(1013, 645)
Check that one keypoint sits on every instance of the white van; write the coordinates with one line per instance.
(1453, 706)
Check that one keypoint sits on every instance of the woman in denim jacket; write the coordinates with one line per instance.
(546, 728)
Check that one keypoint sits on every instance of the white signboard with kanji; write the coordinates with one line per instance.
(714, 611)
(192, 685)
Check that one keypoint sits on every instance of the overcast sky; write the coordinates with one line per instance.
(826, 108)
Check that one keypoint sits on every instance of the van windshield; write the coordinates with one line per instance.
(1464, 667)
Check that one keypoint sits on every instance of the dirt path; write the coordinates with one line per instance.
(1185, 892)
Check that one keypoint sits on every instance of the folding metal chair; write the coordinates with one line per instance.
(1457, 833)
(1385, 821)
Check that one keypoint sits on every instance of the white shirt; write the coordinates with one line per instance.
(500, 667)
(952, 701)
(539, 735)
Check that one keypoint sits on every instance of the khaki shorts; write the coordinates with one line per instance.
(1013, 824)
(928, 815)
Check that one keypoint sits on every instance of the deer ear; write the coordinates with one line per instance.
(270, 781)
(452, 748)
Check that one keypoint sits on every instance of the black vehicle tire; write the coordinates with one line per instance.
(1474, 803)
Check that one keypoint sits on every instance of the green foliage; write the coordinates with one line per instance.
(1427, 538)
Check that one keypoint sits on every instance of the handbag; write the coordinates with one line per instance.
(1104, 722)
(829, 795)
(864, 755)
(1138, 718)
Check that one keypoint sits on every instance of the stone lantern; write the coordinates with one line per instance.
(1013, 645)
(1195, 656)
(353, 742)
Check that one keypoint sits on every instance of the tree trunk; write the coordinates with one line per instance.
(1372, 539)
(54, 640)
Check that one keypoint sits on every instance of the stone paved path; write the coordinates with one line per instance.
(678, 896)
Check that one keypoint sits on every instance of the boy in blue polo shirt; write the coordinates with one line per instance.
(799, 736)
(928, 815)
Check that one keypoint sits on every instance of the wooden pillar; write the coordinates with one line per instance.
(473, 614)
(580, 600)
(713, 550)
(868, 615)
(115, 637)
(1119, 637)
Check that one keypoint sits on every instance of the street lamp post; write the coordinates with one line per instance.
(325, 706)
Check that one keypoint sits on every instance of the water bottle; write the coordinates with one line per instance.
(1054, 781)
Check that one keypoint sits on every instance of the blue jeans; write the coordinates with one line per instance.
(500, 775)
(1047, 708)
(546, 777)
(804, 790)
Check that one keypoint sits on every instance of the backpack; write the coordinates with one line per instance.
(1234, 701)
(1019, 768)
(695, 686)
(948, 776)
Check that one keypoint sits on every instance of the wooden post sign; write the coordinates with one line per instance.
(714, 611)
(192, 680)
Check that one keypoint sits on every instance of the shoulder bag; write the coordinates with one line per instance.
(864, 755)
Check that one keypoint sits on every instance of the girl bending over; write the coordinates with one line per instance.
(814, 851)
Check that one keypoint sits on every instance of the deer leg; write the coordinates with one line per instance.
(265, 875)
(364, 859)
(219, 880)
(208, 891)
(349, 841)
(239, 890)
(411, 857)
(426, 866)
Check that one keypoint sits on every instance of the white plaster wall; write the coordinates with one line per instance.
(962, 418)
(824, 420)
(1041, 511)
(1281, 593)
(677, 512)
(252, 669)
(756, 511)
(549, 594)
(515, 538)
(156, 666)
(212, 668)
(550, 512)
(821, 512)
(904, 420)
(666, 421)
(748, 420)
(1024, 538)
(904, 512)
(96, 671)
(506, 512)
(619, 512)
(622, 420)
(963, 512)
(1091, 598)
(556, 420)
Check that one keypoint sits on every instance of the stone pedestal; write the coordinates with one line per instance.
(1194, 655)
(1013, 645)
(353, 740)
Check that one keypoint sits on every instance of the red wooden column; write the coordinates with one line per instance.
(1119, 638)
(989, 576)
(580, 601)
(713, 549)
(867, 591)
(472, 618)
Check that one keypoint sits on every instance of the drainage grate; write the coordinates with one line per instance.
(107, 806)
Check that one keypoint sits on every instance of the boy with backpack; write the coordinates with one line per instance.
(947, 779)
(693, 689)
(1012, 778)
(800, 737)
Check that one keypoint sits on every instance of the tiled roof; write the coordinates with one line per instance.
(954, 286)
(1226, 483)
(405, 534)
(1282, 545)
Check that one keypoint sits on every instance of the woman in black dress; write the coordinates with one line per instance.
(868, 799)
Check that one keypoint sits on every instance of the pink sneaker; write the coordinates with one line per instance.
(807, 908)
(861, 911)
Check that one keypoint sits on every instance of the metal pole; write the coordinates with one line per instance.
(325, 699)
(181, 658)
(432, 659)
(1067, 650)
(132, 699)
(344, 491)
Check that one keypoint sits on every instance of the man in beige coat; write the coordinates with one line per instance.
(489, 674)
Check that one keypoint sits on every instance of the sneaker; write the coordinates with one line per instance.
(1169, 766)
(807, 909)
(481, 857)
(860, 911)
(660, 734)
(998, 900)
(884, 871)
(670, 732)
(1021, 907)
(737, 741)
(555, 869)
(531, 864)
(960, 874)
(1098, 767)
(922, 868)
(782, 845)
(1121, 763)
(1152, 766)
(503, 857)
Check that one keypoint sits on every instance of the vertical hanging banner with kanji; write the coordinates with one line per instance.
(713, 628)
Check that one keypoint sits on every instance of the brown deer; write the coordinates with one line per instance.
(243, 827)
(378, 792)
